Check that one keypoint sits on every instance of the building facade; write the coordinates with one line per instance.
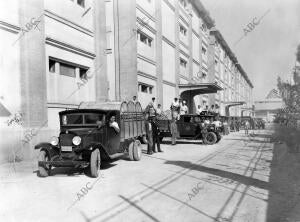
(56, 54)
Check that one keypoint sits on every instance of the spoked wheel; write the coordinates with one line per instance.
(210, 138)
(44, 171)
(95, 162)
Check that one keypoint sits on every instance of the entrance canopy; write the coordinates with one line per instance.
(233, 103)
(199, 88)
(230, 104)
(250, 110)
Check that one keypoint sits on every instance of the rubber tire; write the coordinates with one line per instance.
(219, 137)
(130, 150)
(161, 139)
(137, 150)
(213, 136)
(42, 171)
(95, 162)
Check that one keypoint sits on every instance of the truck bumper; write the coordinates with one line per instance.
(63, 163)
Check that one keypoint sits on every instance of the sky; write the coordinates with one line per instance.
(268, 50)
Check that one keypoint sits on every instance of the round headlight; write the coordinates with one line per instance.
(76, 140)
(54, 141)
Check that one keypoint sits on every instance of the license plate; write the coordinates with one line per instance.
(66, 148)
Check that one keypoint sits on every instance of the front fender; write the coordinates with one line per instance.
(50, 149)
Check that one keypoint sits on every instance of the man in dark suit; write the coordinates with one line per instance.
(155, 134)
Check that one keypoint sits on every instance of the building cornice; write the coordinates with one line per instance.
(183, 20)
(146, 75)
(169, 83)
(170, 5)
(9, 27)
(168, 41)
(145, 25)
(184, 53)
(69, 47)
(145, 12)
(139, 56)
(68, 23)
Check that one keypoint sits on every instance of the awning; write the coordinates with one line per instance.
(199, 88)
(230, 104)
(234, 103)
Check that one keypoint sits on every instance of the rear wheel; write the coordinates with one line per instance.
(219, 137)
(161, 139)
(43, 171)
(95, 162)
(135, 150)
(210, 138)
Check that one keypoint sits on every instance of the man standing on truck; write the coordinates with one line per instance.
(184, 109)
(175, 108)
(199, 110)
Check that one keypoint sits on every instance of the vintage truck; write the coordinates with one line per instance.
(191, 126)
(87, 137)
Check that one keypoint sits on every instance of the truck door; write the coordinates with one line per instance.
(186, 126)
(113, 137)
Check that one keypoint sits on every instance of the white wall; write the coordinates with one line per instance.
(168, 22)
(168, 61)
(169, 95)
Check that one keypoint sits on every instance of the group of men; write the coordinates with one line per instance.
(212, 109)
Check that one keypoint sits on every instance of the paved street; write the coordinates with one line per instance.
(229, 181)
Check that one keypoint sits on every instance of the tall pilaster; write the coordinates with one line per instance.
(177, 42)
(100, 46)
(33, 64)
(159, 65)
(127, 49)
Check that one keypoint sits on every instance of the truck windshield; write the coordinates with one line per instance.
(93, 118)
(79, 119)
(72, 119)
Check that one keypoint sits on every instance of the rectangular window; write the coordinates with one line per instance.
(81, 3)
(51, 65)
(145, 88)
(182, 30)
(183, 62)
(83, 73)
(203, 27)
(144, 38)
(67, 70)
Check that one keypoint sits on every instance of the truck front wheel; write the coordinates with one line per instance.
(210, 138)
(43, 171)
(95, 162)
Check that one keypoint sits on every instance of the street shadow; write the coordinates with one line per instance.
(199, 142)
(249, 181)
(248, 140)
